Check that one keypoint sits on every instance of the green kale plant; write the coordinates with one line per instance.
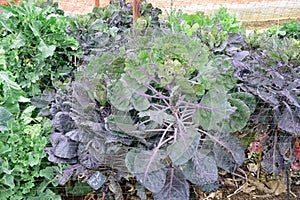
(24, 171)
(24, 174)
(37, 48)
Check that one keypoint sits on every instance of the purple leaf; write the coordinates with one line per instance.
(290, 121)
(63, 122)
(272, 162)
(86, 158)
(55, 159)
(175, 188)
(228, 150)
(65, 148)
(202, 170)
(148, 168)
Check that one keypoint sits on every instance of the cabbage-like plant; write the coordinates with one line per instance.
(161, 111)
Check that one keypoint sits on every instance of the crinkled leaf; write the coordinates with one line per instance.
(217, 108)
(217, 71)
(65, 148)
(8, 179)
(5, 116)
(238, 119)
(184, 147)
(247, 98)
(53, 158)
(202, 170)
(63, 122)
(228, 150)
(86, 158)
(175, 188)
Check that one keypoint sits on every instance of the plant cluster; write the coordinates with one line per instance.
(23, 138)
(103, 29)
(191, 23)
(163, 113)
(270, 71)
(290, 29)
(38, 50)
(161, 102)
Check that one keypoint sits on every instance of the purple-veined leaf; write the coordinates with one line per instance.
(175, 188)
(290, 120)
(158, 116)
(86, 158)
(63, 122)
(272, 161)
(228, 151)
(202, 170)
(148, 168)
(65, 148)
(184, 147)
(217, 108)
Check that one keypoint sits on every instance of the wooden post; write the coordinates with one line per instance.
(136, 9)
(97, 3)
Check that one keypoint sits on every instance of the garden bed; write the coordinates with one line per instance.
(191, 106)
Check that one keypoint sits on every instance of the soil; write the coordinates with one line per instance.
(233, 188)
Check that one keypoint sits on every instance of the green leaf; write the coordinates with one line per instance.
(26, 114)
(45, 50)
(5, 116)
(247, 98)
(158, 116)
(8, 180)
(47, 172)
(18, 42)
(140, 103)
(120, 97)
(184, 147)
(215, 109)
(238, 119)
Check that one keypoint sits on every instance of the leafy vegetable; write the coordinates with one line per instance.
(37, 48)
(270, 71)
